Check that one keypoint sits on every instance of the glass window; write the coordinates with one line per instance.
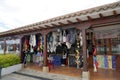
(13, 46)
(116, 45)
(102, 46)
(108, 46)
(1, 47)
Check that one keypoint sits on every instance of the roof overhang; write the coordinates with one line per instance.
(85, 15)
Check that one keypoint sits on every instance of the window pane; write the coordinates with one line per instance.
(1, 47)
(13, 46)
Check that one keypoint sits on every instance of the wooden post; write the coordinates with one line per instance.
(21, 48)
(85, 66)
(45, 50)
(85, 73)
(45, 67)
(5, 46)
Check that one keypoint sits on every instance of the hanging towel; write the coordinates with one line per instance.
(72, 36)
(64, 36)
(61, 37)
(80, 35)
(99, 58)
(34, 40)
(68, 45)
(102, 61)
(114, 62)
(110, 62)
(68, 38)
(106, 61)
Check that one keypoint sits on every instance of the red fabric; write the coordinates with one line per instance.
(96, 63)
(50, 64)
(95, 51)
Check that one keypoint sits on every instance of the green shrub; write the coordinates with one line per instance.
(9, 60)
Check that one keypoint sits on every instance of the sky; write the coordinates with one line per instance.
(18, 13)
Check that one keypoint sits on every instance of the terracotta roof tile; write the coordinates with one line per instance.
(68, 16)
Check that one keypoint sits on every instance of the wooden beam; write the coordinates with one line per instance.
(36, 28)
(54, 25)
(70, 22)
(89, 18)
(30, 28)
(101, 15)
(78, 20)
(114, 12)
(47, 26)
(61, 23)
(41, 27)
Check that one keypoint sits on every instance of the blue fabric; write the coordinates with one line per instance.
(106, 61)
(38, 53)
(114, 61)
(57, 60)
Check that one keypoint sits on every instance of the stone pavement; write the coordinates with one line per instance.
(28, 74)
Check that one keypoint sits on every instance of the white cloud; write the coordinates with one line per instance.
(16, 13)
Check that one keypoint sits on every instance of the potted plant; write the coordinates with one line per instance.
(9, 63)
(0, 71)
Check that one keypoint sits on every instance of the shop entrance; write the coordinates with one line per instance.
(106, 40)
(64, 50)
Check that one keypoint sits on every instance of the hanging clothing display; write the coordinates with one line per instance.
(64, 36)
(72, 36)
(68, 38)
(95, 61)
(68, 45)
(80, 36)
(61, 37)
(106, 61)
(53, 48)
(32, 42)
(39, 59)
(26, 44)
(110, 62)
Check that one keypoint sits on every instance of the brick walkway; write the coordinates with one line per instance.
(28, 74)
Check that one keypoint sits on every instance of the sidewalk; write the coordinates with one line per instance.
(28, 74)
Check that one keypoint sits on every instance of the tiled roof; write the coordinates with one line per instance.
(84, 15)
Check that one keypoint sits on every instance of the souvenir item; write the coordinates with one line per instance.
(68, 38)
(98, 59)
(77, 56)
(110, 62)
(102, 61)
(106, 61)
(28, 58)
(64, 36)
(72, 36)
(95, 61)
(68, 45)
(32, 42)
(114, 62)
(61, 37)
